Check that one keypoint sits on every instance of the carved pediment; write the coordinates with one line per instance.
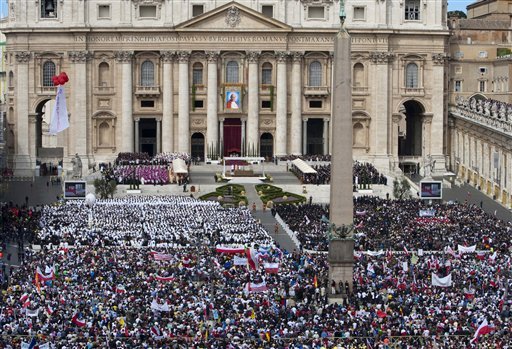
(233, 17)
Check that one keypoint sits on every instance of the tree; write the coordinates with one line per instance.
(401, 188)
(104, 188)
(457, 13)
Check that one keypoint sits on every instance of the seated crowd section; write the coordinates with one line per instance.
(172, 272)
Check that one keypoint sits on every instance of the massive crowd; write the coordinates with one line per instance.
(173, 272)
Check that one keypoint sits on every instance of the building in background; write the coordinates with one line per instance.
(480, 113)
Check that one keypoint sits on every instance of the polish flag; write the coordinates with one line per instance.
(271, 268)
(45, 277)
(252, 258)
(406, 251)
(482, 330)
(24, 298)
(164, 278)
(156, 332)
(26, 304)
(49, 310)
(230, 250)
(120, 289)
(76, 321)
(161, 256)
(480, 255)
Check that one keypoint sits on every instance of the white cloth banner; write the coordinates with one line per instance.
(32, 313)
(441, 282)
(375, 253)
(464, 249)
(240, 260)
(59, 121)
(159, 307)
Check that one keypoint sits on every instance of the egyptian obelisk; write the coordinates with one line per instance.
(341, 251)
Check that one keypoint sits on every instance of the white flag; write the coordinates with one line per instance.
(32, 313)
(159, 307)
(240, 260)
(441, 282)
(59, 121)
(464, 249)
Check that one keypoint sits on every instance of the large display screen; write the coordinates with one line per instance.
(74, 189)
(431, 190)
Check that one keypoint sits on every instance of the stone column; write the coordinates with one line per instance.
(23, 162)
(212, 122)
(183, 103)
(325, 136)
(427, 133)
(137, 140)
(168, 102)
(281, 103)
(158, 135)
(253, 103)
(381, 92)
(221, 137)
(304, 136)
(394, 151)
(125, 59)
(243, 146)
(32, 134)
(79, 120)
(296, 104)
(341, 250)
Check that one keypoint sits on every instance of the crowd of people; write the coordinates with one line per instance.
(174, 272)
(145, 159)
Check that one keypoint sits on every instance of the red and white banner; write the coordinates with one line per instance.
(49, 310)
(271, 268)
(483, 329)
(156, 332)
(59, 121)
(465, 249)
(162, 256)
(230, 250)
(252, 287)
(45, 277)
(76, 321)
(164, 278)
(442, 282)
(24, 297)
(120, 289)
(252, 258)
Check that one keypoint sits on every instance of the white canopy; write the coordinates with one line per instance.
(303, 166)
(179, 166)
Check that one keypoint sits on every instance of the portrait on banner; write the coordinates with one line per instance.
(233, 99)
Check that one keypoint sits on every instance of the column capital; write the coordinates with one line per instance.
(212, 56)
(297, 56)
(158, 119)
(281, 56)
(79, 56)
(252, 56)
(382, 57)
(136, 119)
(123, 56)
(167, 56)
(183, 56)
(22, 56)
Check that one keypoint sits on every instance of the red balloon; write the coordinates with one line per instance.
(65, 76)
(55, 80)
(61, 80)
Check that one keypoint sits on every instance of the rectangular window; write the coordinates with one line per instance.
(268, 10)
(266, 104)
(482, 86)
(198, 104)
(482, 54)
(266, 76)
(49, 9)
(359, 13)
(316, 12)
(482, 70)
(103, 11)
(315, 104)
(197, 76)
(147, 104)
(457, 86)
(412, 10)
(147, 11)
(197, 10)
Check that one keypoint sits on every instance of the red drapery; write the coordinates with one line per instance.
(232, 137)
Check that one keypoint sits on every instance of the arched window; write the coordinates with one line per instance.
(266, 73)
(147, 76)
(48, 73)
(104, 136)
(411, 75)
(197, 73)
(359, 75)
(104, 74)
(358, 135)
(315, 74)
(232, 72)
(11, 79)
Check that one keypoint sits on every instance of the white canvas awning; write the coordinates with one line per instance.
(303, 166)
(179, 166)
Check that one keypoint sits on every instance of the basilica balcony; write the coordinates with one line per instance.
(316, 91)
(147, 91)
(412, 91)
(47, 90)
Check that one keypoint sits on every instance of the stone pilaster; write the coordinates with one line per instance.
(124, 58)
(79, 120)
(183, 102)
(212, 97)
(167, 58)
(397, 117)
(23, 162)
(427, 133)
(304, 136)
(296, 104)
(137, 140)
(439, 61)
(281, 105)
(253, 103)
(325, 136)
(158, 135)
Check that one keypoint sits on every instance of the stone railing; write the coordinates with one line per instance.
(488, 112)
